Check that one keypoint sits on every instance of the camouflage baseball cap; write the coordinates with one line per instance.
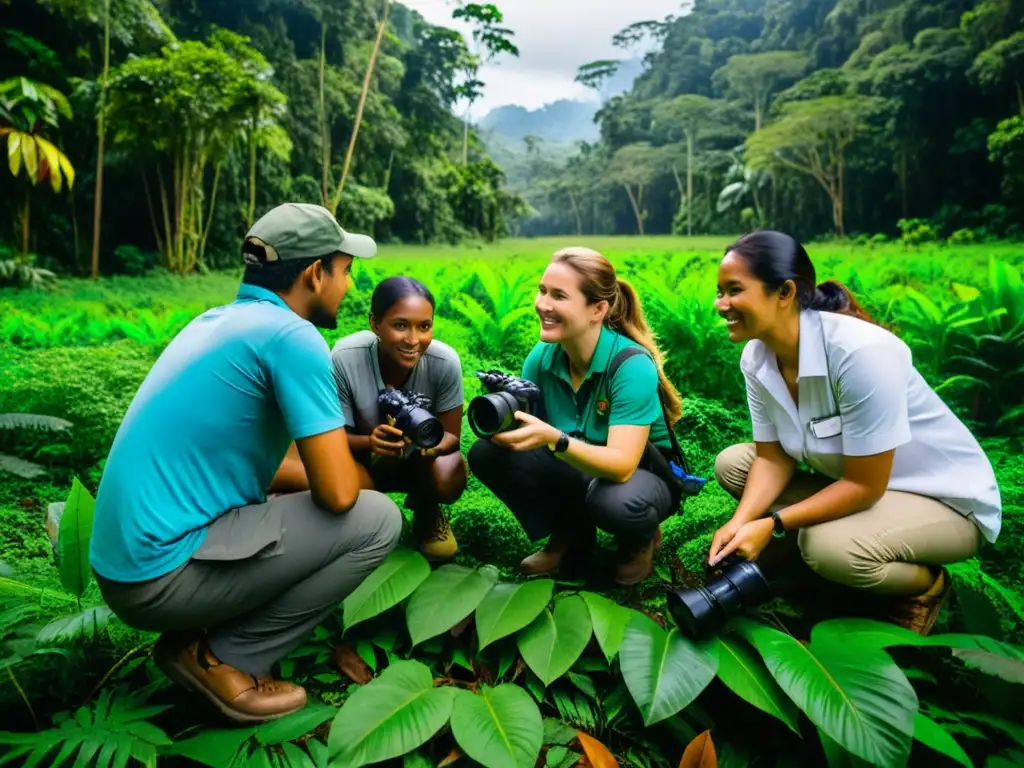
(305, 231)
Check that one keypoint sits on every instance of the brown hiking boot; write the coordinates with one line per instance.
(433, 532)
(242, 698)
(579, 536)
(636, 561)
(918, 613)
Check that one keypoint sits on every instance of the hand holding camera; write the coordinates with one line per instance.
(531, 433)
(739, 538)
(386, 440)
(508, 398)
(407, 416)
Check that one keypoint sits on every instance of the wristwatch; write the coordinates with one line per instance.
(779, 530)
(562, 445)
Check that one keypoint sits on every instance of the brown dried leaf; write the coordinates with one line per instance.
(352, 665)
(700, 753)
(596, 753)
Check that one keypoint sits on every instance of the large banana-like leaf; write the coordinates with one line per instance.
(390, 583)
(609, 620)
(509, 607)
(498, 727)
(745, 673)
(664, 671)
(389, 716)
(553, 642)
(449, 595)
(853, 693)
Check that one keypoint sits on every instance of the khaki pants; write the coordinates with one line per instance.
(885, 549)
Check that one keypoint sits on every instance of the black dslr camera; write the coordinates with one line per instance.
(701, 612)
(410, 412)
(495, 412)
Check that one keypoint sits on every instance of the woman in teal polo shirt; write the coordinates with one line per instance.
(583, 466)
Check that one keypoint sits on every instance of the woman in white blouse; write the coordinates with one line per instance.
(899, 485)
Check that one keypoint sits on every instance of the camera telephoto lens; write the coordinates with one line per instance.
(422, 427)
(701, 612)
(493, 413)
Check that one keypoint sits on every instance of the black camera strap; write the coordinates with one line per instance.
(614, 366)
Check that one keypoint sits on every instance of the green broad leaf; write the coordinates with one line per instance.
(743, 671)
(448, 595)
(498, 727)
(836, 756)
(73, 539)
(390, 716)
(295, 757)
(609, 620)
(291, 727)
(553, 642)
(390, 583)
(557, 732)
(89, 623)
(664, 671)
(561, 757)
(417, 760)
(976, 651)
(855, 694)
(1009, 669)
(214, 747)
(509, 607)
(933, 735)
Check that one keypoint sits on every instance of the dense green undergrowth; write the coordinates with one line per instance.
(79, 351)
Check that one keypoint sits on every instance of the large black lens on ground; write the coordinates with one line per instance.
(701, 612)
(420, 426)
(492, 413)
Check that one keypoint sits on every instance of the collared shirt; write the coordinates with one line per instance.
(864, 374)
(437, 375)
(207, 431)
(633, 393)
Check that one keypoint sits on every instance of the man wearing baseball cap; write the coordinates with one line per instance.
(185, 541)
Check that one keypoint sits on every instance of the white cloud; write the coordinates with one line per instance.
(554, 38)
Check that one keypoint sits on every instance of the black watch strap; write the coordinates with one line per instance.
(562, 445)
(779, 530)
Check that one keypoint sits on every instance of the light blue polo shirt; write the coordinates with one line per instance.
(207, 431)
(633, 392)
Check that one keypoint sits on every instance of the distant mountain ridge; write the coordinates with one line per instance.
(562, 121)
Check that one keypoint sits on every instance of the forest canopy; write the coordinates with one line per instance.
(811, 116)
(200, 116)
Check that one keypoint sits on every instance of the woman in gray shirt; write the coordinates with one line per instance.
(399, 352)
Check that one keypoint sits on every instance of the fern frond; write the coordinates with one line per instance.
(15, 466)
(33, 421)
(115, 727)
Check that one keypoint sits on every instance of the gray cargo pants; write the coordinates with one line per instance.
(264, 577)
(545, 493)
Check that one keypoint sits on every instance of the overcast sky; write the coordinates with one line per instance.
(554, 38)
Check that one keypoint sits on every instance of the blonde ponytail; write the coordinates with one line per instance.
(625, 312)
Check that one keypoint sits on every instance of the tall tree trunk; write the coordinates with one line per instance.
(689, 184)
(636, 209)
(370, 66)
(152, 213)
(387, 175)
(576, 213)
(74, 231)
(25, 211)
(251, 217)
(100, 141)
(209, 217)
(837, 202)
(325, 137)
